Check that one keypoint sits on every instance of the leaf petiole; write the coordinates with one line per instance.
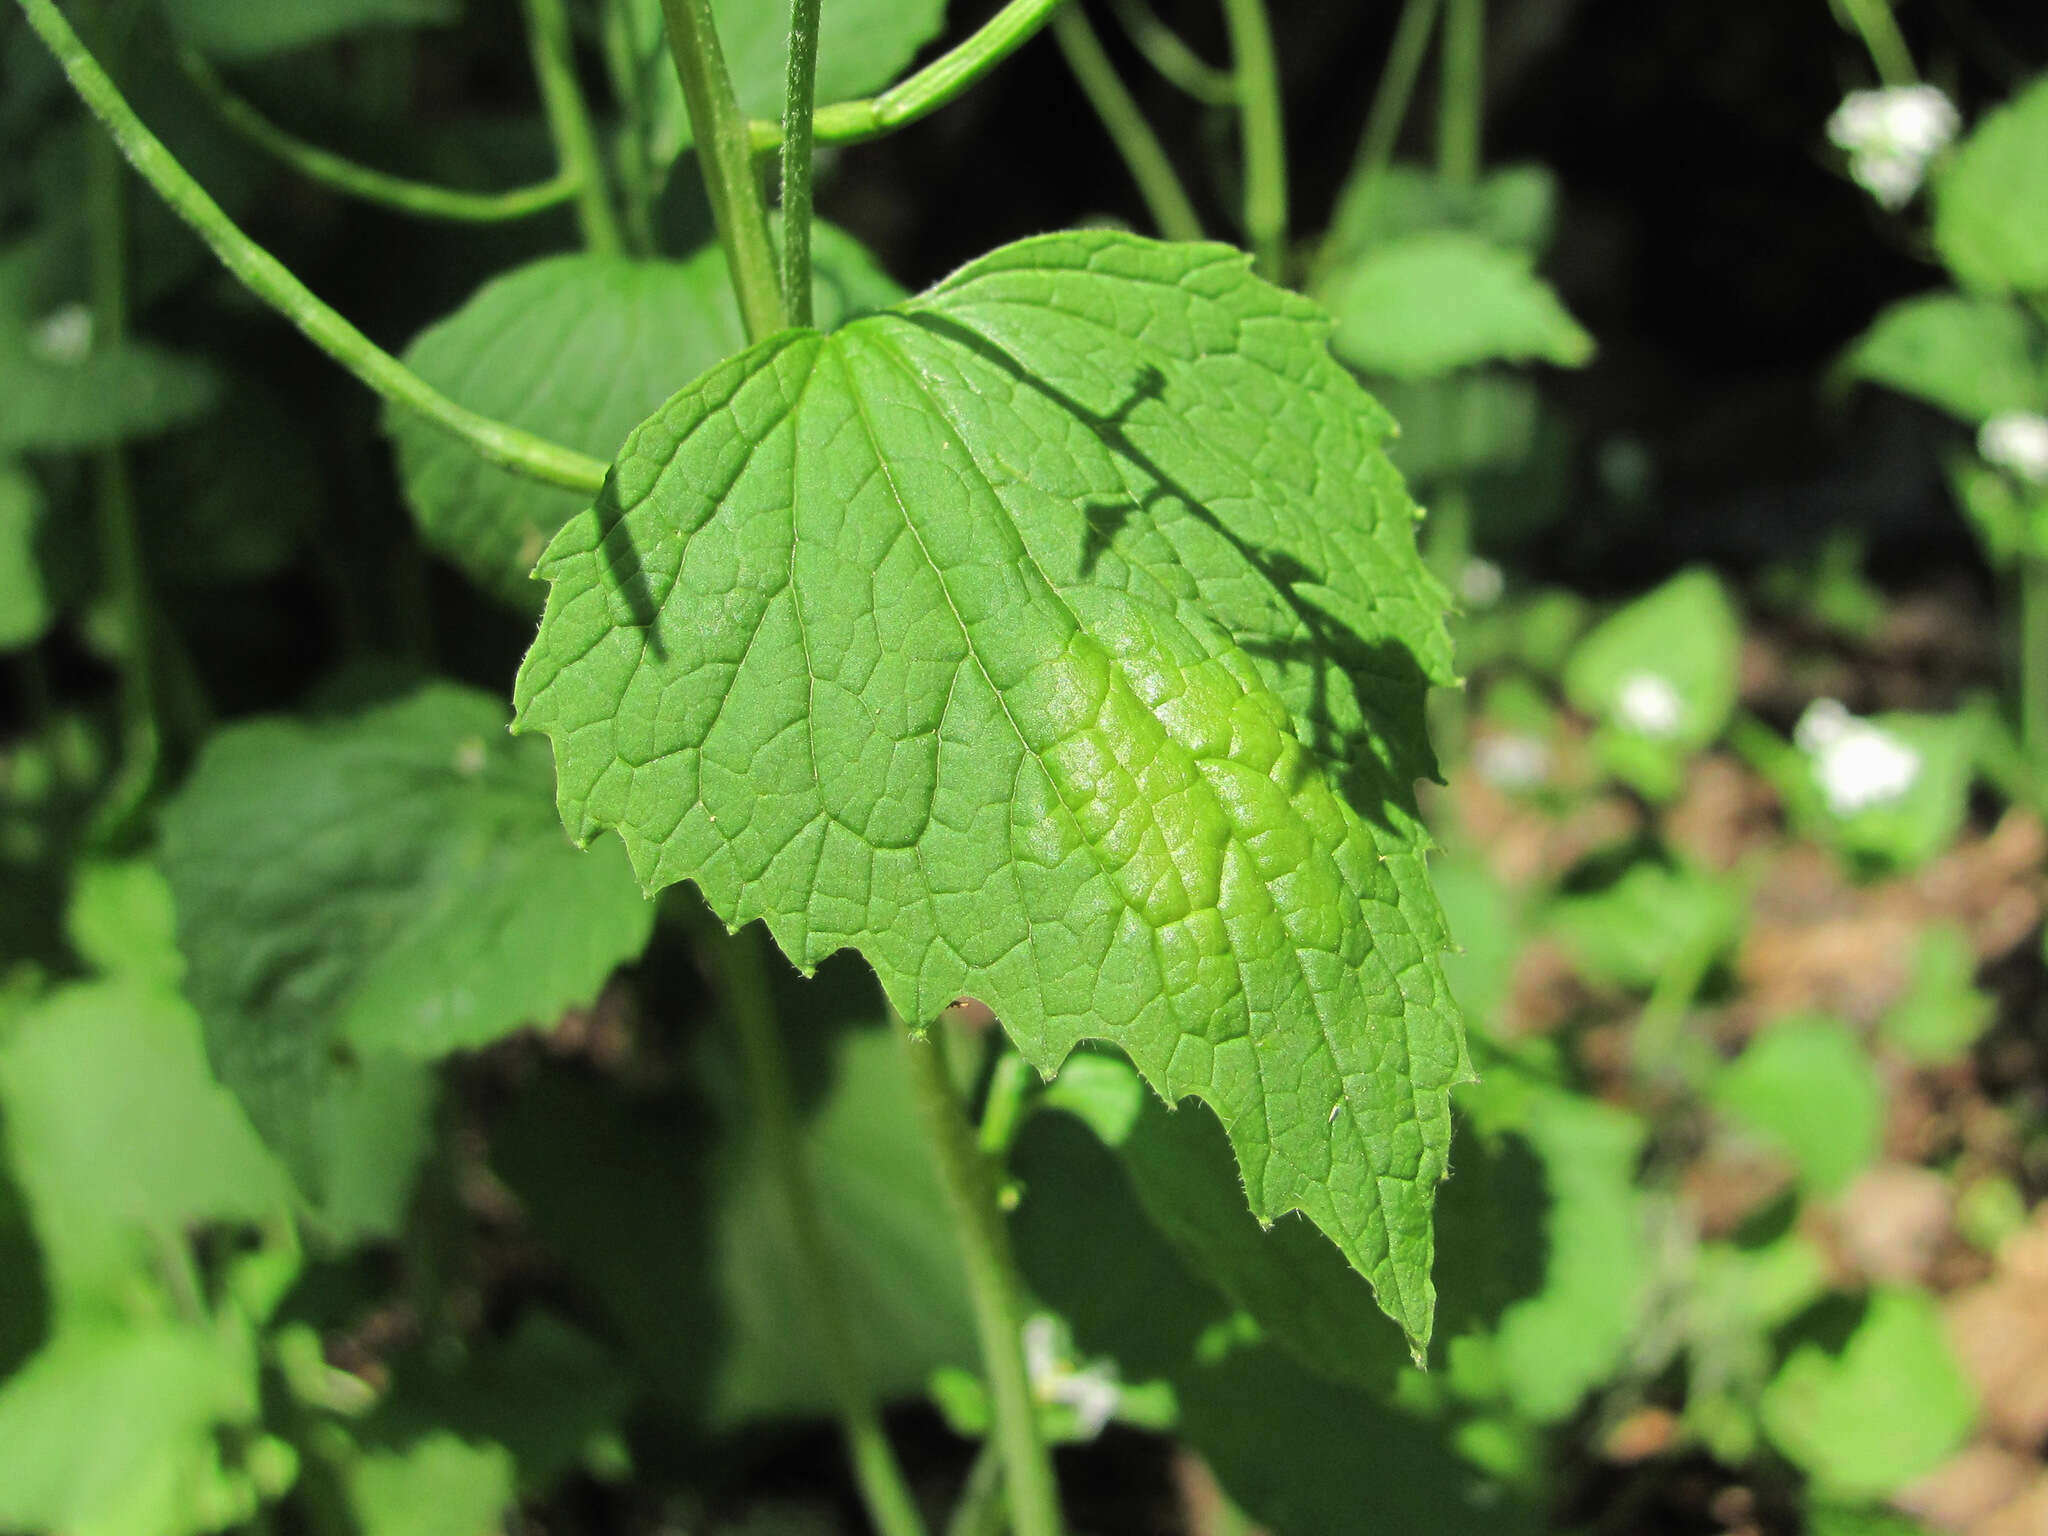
(799, 105)
(547, 32)
(1264, 139)
(343, 175)
(1165, 198)
(271, 281)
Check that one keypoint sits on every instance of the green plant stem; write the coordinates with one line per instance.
(883, 1488)
(1882, 39)
(1165, 198)
(1396, 89)
(2033, 669)
(554, 65)
(1265, 146)
(127, 585)
(799, 103)
(979, 1510)
(725, 155)
(994, 1286)
(266, 277)
(1174, 59)
(1463, 102)
(938, 83)
(635, 168)
(360, 181)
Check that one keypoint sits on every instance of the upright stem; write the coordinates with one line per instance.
(268, 278)
(1165, 198)
(1265, 144)
(554, 64)
(1395, 90)
(114, 503)
(994, 1286)
(725, 154)
(622, 53)
(2034, 668)
(1882, 39)
(1165, 52)
(1464, 89)
(798, 104)
(883, 1488)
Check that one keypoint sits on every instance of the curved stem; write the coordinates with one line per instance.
(266, 277)
(2033, 667)
(554, 65)
(883, 1488)
(939, 82)
(799, 103)
(1165, 198)
(1174, 59)
(1395, 90)
(1464, 89)
(725, 156)
(1882, 40)
(1265, 145)
(360, 181)
(993, 1285)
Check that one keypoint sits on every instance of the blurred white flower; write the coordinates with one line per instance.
(1891, 136)
(2017, 441)
(1648, 705)
(1856, 764)
(64, 336)
(1481, 583)
(1092, 1392)
(1511, 759)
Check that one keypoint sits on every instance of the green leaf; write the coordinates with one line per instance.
(1942, 1014)
(438, 1486)
(1430, 304)
(117, 1431)
(1991, 205)
(1057, 639)
(1834, 1520)
(242, 29)
(707, 1298)
(1632, 930)
(1902, 829)
(1808, 1086)
(26, 610)
(119, 1135)
(2010, 519)
(1866, 1404)
(1665, 668)
(1513, 206)
(68, 390)
(389, 884)
(121, 922)
(579, 349)
(862, 46)
(1971, 357)
(1458, 427)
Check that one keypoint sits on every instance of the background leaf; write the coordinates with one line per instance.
(1991, 205)
(1971, 357)
(240, 29)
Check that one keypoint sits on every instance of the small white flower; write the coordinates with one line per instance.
(1481, 583)
(1511, 760)
(1891, 136)
(2017, 442)
(1648, 705)
(64, 336)
(1092, 1393)
(1856, 764)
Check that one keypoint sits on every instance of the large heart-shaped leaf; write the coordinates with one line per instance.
(1058, 638)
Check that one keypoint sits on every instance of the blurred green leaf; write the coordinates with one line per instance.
(1464, 425)
(1868, 1401)
(1942, 1014)
(441, 1485)
(67, 389)
(1428, 305)
(26, 610)
(1810, 1088)
(118, 1135)
(389, 884)
(1512, 206)
(241, 29)
(1991, 204)
(707, 1296)
(1971, 357)
(121, 922)
(1836, 1520)
(1664, 668)
(2009, 518)
(1894, 792)
(1630, 931)
(580, 349)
